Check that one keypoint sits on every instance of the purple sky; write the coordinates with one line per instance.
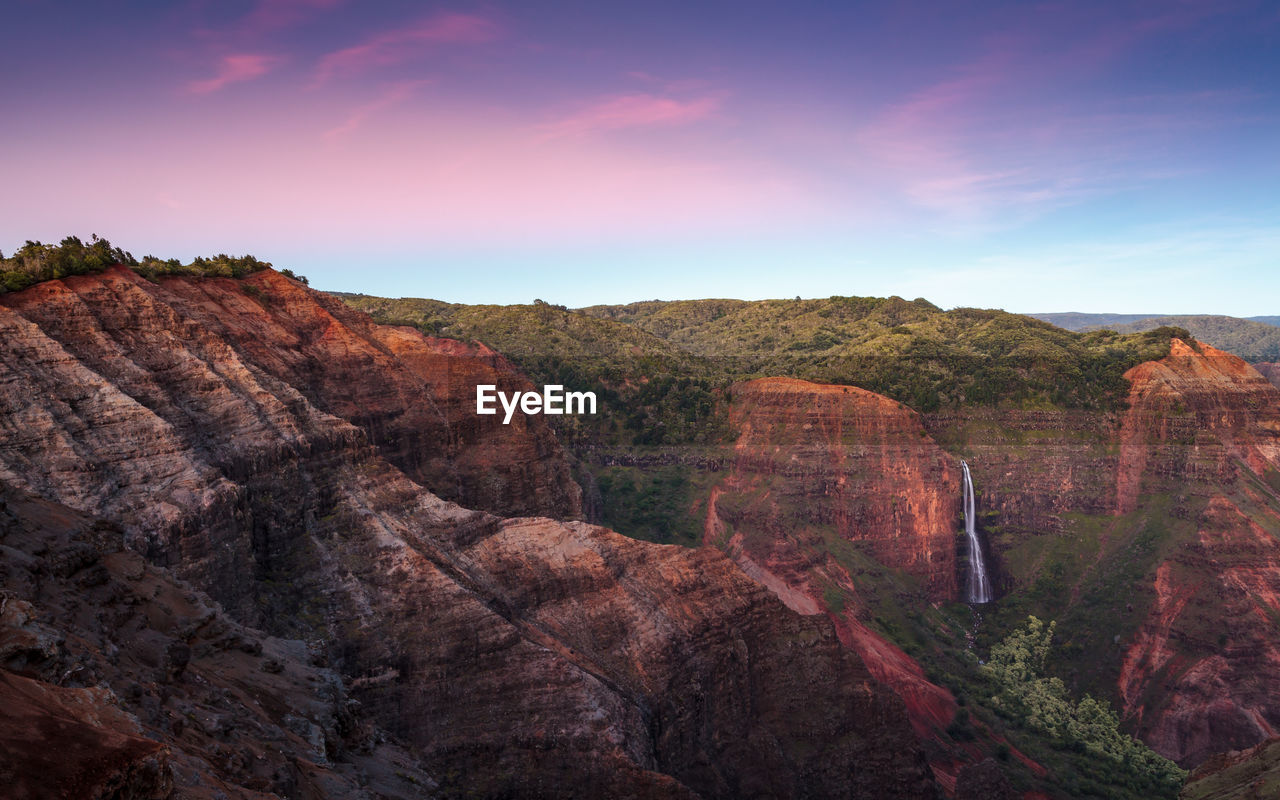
(1105, 156)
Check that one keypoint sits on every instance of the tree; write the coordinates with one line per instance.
(1025, 694)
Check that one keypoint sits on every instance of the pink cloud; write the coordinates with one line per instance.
(632, 111)
(234, 69)
(392, 47)
(269, 15)
(394, 95)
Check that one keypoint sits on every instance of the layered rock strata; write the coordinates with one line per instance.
(818, 468)
(272, 448)
(1202, 673)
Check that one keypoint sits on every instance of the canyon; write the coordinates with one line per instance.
(223, 495)
(1173, 503)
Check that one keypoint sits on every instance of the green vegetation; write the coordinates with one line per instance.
(35, 262)
(657, 503)
(667, 364)
(1014, 706)
(1029, 698)
(833, 599)
(911, 351)
(651, 393)
(1251, 340)
(1257, 775)
(1095, 574)
(1254, 339)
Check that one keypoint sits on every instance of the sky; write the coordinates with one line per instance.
(1117, 156)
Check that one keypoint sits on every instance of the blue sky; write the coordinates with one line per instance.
(1112, 156)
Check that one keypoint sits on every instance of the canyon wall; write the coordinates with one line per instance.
(1157, 526)
(289, 458)
(1151, 531)
(1202, 673)
(825, 479)
(813, 459)
(117, 680)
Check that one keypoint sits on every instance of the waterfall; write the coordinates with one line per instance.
(978, 585)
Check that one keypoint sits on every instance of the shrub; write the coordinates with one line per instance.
(1025, 694)
(35, 262)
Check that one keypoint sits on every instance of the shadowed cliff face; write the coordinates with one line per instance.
(1269, 370)
(820, 468)
(116, 680)
(272, 448)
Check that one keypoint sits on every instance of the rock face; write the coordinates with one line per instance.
(1168, 514)
(196, 353)
(1203, 672)
(1030, 467)
(50, 748)
(819, 467)
(1201, 414)
(1165, 517)
(1269, 370)
(814, 459)
(118, 681)
(276, 450)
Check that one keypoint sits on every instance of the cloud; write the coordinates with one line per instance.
(394, 95)
(920, 142)
(632, 111)
(392, 47)
(269, 15)
(234, 69)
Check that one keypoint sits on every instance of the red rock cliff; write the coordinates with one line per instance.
(1202, 674)
(814, 459)
(413, 396)
(1181, 491)
(271, 447)
(819, 467)
(1186, 479)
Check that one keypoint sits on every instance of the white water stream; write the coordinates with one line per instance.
(978, 585)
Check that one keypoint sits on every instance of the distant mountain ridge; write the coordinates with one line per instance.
(1255, 339)
(1083, 321)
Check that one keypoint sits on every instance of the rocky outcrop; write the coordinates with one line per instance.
(1269, 370)
(118, 681)
(74, 743)
(1198, 415)
(271, 447)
